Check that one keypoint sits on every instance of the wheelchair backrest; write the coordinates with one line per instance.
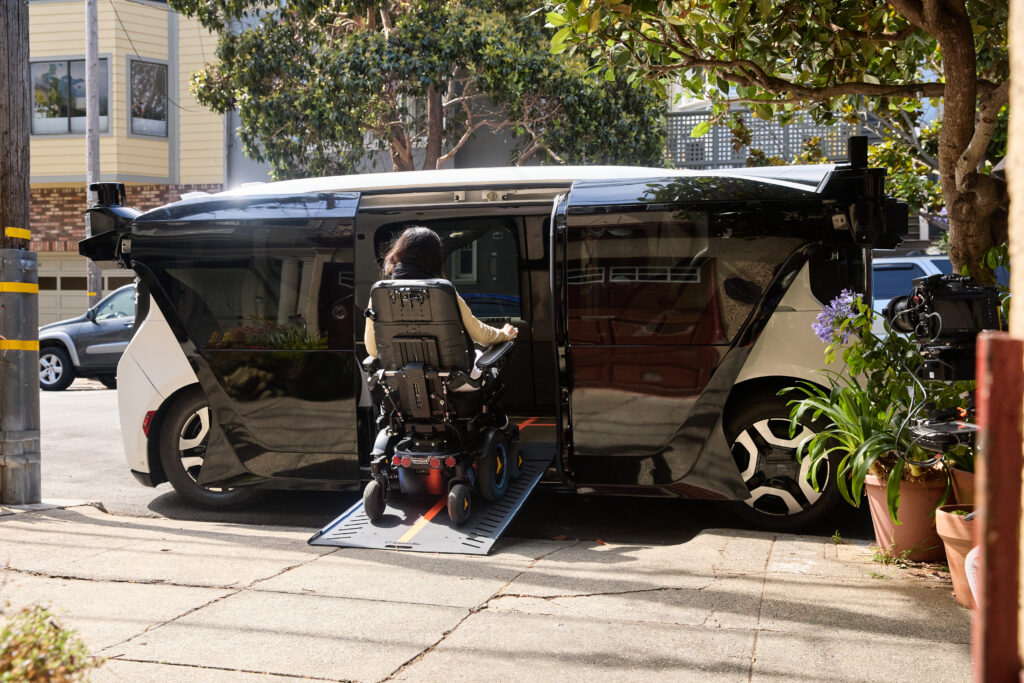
(419, 322)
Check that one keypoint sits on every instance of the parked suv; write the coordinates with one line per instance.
(89, 345)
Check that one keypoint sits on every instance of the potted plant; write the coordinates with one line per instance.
(955, 524)
(867, 409)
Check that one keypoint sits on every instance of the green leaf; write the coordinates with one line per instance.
(701, 129)
(555, 19)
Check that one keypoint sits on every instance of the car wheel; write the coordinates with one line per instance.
(183, 439)
(55, 370)
(109, 381)
(781, 496)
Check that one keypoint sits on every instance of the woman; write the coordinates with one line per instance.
(417, 255)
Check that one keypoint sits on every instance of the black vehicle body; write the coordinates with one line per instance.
(635, 319)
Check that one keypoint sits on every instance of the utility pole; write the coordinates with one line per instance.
(19, 272)
(92, 134)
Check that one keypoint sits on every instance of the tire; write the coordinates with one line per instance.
(55, 370)
(460, 504)
(515, 462)
(183, 438)
(109, 381)
(374, 500)
(782, 498)
(493, 471)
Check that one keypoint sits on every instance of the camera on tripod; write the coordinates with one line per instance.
(945, 313)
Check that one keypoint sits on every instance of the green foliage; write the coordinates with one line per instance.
(907, 177)
(867, 408)
(35, 648)
(837, 538)
(316, 83)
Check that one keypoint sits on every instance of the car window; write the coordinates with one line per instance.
(944, 266)
(120, 305)
(892, 281)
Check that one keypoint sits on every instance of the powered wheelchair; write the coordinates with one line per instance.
(441, 426)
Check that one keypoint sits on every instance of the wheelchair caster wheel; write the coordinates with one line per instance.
(459, 507)
(493, 468)
(374, 500)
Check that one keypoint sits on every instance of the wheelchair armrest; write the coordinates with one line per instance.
(370, 365)
(493, 354)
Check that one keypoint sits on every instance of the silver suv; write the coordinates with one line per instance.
(89, 345)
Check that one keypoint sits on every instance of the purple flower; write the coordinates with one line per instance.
(826, 325)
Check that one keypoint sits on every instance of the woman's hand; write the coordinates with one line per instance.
(510, 330)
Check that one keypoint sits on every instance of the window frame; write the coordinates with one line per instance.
(466, 278)
(128, 94)
(67, 59)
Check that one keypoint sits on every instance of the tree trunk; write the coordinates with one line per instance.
(435, 128)
(14, 121)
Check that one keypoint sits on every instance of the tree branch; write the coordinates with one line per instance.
(988, 113)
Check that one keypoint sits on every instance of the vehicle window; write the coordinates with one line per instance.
(944, 266)
(892, 281)
(120, 305)
(685, 278)
(272, 291)
(481, 260)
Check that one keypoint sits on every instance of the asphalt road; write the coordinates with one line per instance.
(83, 459)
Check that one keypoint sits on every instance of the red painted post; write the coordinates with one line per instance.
(1000, 395)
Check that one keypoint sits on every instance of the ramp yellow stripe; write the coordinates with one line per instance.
(19, 344)
(423, 521)
(19, 287)
(20, 233)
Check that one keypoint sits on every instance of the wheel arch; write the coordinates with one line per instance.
(752, 389)
(156, 468)
(63, 341)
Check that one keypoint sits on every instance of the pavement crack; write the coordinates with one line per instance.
(760, 608)
(473, 610)
(220, 668)
(591, 595)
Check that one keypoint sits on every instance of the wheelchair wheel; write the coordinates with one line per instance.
(515, 462)
(493, 469)
(459, 505)
(374, 500)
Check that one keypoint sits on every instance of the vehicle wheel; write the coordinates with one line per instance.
(459, 504)
(55, 370)
(493, 471)
(109, 381)
(781, 496)
(374, 500)
(515, 462)
(183, 438)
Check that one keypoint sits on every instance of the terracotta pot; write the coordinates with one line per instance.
(963, 485)
(916, 531)
(958, 536)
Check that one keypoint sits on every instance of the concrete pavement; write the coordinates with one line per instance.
(181, 600)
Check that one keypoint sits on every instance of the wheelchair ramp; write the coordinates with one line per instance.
(421, 524)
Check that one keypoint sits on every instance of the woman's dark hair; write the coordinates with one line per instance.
(416, 247)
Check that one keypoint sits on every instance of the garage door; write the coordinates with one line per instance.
(63, 282)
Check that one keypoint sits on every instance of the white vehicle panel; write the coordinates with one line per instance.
(152, 368)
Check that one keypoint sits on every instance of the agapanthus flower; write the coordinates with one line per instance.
(826, 325)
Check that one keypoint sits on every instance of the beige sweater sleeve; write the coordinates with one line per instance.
(478, 331)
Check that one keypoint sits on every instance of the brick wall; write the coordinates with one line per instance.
(57, 213)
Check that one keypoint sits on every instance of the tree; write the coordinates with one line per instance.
(828, 58)
(316, 83)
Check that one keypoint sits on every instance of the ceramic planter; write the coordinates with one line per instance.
(963, 485)
(915, 535)
(958, 537)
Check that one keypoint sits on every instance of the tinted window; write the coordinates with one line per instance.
(120, 305)
(686, 278)
(263, 288)
(944, 266)
(894, 280)
(481, 260)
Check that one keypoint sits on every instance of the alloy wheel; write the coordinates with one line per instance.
(192, 440)
(766, 456)
(51, 368)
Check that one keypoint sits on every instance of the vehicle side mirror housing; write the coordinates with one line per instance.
(91, 314)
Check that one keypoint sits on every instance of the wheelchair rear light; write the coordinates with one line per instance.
(407, 461)
(396, 461)
(449, 461)
(147, 421)
(435, 463)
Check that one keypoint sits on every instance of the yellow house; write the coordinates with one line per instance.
(155, 137)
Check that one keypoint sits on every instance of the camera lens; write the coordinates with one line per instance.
(901, 318)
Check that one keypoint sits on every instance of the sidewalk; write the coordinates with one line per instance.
(164, 600)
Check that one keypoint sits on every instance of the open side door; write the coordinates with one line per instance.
(660, 288)
(259, 291)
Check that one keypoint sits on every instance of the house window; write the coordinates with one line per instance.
(148, 98)
(58, 96)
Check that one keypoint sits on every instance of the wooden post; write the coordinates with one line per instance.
(1000, 374)
(19, 306)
